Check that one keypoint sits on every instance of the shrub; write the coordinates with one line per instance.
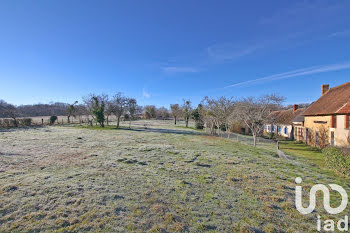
(223, 127)
(53, 119)
(270, 135)
(25, 122)
(98, 110)
(28, 121)
(338, 159)
(8, 123)
(199, 125)
(323, 137)
(126, 117)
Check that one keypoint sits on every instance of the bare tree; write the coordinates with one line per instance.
(120, 103)
(218, 112)
(254, 112)
(175, 111)
(132, 109)
(162, 113)
(81, 111)
(10, 111)
(89, 103)
(109, 107)
(208, 118)
(150, 111)
(186, 109)
(71, 111)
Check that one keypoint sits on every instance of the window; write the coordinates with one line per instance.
(273, 128)
(334, 121)
(302, 133)
(298, 131)
(279, 129)
(286, 130)
(317, 138)
(347, 120)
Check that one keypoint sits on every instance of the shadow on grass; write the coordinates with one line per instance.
(312, 154)
(301, 149)
(167, 131)
(143, 129)
(22, 128)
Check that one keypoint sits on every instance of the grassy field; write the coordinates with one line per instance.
(153, 177)
(302, 151)
(62, 119)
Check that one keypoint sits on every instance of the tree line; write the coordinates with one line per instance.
(215, 114)
(93, 108)
(33, 110)
(221, 114)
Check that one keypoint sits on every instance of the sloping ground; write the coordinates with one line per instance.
(159, 179)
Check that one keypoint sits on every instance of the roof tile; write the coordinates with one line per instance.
(285, 116)
(334, 101)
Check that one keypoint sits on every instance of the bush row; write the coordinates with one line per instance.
(9, 123)
(338, 159)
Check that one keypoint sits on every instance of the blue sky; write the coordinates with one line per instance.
(163, 51)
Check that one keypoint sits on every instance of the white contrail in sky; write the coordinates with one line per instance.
(294, 73)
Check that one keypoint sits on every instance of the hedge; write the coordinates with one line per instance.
(338, 159)
(10, 123)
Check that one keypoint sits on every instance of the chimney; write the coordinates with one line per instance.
(324, 88)
(295, 107)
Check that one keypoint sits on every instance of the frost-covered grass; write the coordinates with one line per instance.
(153, 177)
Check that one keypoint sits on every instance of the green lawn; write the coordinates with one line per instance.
(301, 150)
(154, 177)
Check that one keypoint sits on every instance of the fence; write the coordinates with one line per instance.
(248, 140)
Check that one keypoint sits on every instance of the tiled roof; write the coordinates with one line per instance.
(285, 117)
(299, 117)
(335, 101)
(345, 109)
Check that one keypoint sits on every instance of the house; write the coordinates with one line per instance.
(327, 120)
(298, 125)
(239, 127)
(282, 121)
